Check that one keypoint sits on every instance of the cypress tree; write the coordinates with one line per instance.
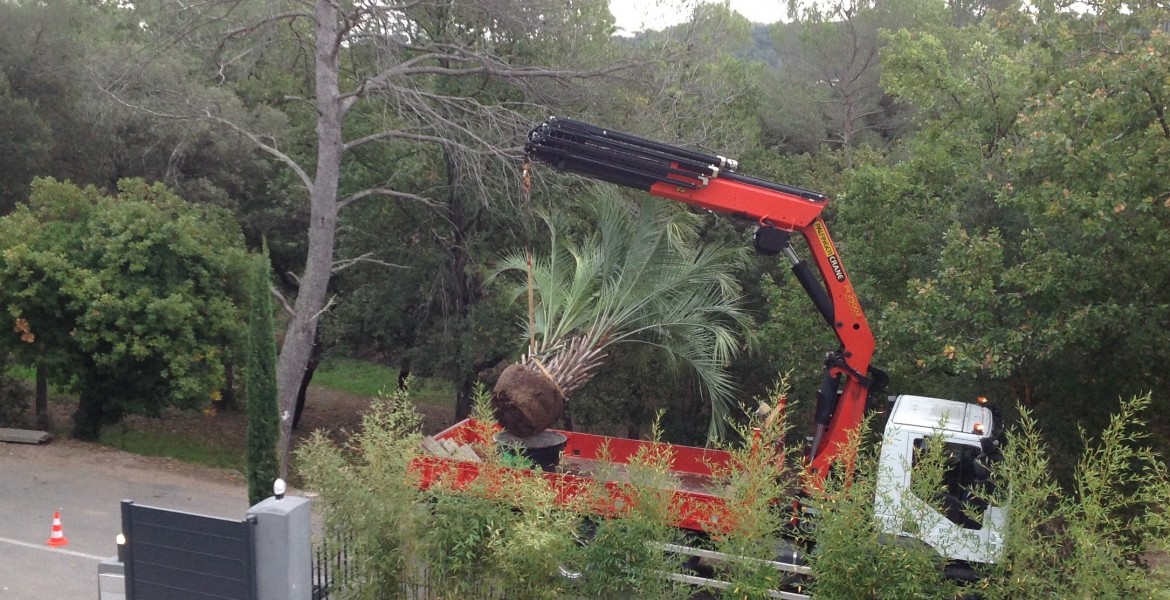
(263, 413)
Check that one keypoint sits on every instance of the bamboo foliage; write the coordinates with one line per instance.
(641, 276)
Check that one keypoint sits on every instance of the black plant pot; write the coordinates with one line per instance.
(544, 448)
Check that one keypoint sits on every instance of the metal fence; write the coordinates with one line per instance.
(331, 566)
(333, 571)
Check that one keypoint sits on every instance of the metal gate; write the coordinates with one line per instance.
(174, 555)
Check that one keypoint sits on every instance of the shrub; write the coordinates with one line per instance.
(853, 558)
(13, 397)
(621, 556)
(367, 497)
(505, 536)
(1091, 541)
(759, 479)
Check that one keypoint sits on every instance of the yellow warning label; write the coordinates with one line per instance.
(830, 253)
(823, 236)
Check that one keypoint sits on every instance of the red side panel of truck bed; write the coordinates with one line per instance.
(695, 485)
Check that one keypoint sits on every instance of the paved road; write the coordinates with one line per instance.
(87, 484)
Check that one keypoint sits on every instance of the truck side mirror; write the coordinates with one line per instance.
(990, 450)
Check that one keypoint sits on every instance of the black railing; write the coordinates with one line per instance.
(331, 568)
(333, 572)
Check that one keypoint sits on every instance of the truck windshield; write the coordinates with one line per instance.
(966, 482)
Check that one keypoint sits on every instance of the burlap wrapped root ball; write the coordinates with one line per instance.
(526, 402)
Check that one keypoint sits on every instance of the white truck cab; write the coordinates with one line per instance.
(958, 522)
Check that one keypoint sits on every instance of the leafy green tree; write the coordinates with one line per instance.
(706, 96)
(130, 300)
(263, 418)
(23, 146)
(833, 48)
(1050, 276)
(42, 50)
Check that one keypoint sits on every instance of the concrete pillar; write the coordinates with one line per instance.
(284, 548)
(111, 580)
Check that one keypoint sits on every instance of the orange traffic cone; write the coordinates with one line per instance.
(57, 538)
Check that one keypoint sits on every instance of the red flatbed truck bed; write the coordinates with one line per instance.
(695, 484)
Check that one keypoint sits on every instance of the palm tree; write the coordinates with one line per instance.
(641, 276)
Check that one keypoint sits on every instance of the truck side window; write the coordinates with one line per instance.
(957, 497)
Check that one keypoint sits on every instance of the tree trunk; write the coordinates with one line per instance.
(463, 402)
(228, 398)
(90, 414)
(314, 362)
(42, 398)
(567, 418)
(323, 208)
(403, 373)
(460, 295)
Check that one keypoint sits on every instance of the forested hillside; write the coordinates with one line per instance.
(997, 173)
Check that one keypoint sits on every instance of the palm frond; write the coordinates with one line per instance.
(640, 277)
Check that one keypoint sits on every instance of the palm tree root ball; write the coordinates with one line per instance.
(526, 402)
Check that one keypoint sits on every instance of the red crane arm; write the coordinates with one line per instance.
(710, 182)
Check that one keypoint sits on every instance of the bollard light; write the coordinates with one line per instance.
(278, 488)
(120, 540)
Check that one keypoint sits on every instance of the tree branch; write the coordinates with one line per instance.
(324, 310)
(1159, 111)
(255, 139)
(385, 192)
(349, 262)
(376, 82)
(246, 30)
(392, 134)
(283, 302)
(281, 156)
(408, 69)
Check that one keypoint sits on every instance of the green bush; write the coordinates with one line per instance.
(1096, 539)
(853, 558)
(367, 498)
(504, 536)
(620, 556)
(14, 397)
(760, 478)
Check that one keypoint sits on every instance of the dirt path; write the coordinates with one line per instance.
(335, 412)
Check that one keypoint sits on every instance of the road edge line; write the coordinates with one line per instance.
(51, 549)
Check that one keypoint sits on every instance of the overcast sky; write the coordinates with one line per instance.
(636, 15)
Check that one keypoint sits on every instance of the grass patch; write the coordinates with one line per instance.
(21, 373)
(28, 374)
(149, 443)
(363, 378)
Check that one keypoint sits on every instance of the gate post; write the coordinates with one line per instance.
(284, 546)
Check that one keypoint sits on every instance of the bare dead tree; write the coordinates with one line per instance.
(459, 76)
(466, 78)
(414, 43)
